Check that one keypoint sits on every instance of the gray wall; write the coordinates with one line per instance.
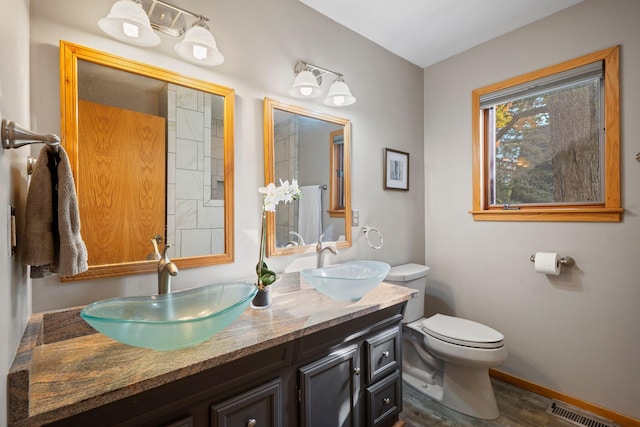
(576, 333)
(15, 296)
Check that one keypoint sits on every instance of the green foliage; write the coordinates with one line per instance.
(503, 115)
(523, 162)
(265, 276)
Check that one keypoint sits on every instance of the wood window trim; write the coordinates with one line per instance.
(610, 210)
(334, 211)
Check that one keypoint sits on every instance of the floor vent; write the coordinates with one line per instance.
(577, 416)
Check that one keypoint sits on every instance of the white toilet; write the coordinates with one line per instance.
(444, 357)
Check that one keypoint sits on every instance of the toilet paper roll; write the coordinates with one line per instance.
(547, 263)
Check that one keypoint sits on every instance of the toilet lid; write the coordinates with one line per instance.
(462, 332)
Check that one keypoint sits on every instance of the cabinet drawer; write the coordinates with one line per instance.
(184, 422)
(384, 400)
(383, 353)
(259, 406)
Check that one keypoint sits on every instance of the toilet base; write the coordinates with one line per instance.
(466, 390)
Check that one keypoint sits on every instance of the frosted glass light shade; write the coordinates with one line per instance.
(199, 46)
(339, 94)
(129, 23)
(305, 85)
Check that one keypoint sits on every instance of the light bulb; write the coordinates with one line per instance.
(338, 100)
(199, 52)
(306, 91)
(131, 30)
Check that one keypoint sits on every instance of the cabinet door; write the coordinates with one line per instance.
(258, 407)
(329, 390)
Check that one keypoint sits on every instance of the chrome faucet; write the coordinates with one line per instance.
(166, 269)
(321, 251)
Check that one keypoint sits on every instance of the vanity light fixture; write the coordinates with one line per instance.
(133, 22)
(129, 23)
(199, 46)
(307, 85)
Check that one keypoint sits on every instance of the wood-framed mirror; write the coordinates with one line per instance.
(315, 149)
(152, 157)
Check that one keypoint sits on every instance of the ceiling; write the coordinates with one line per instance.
(428, 31)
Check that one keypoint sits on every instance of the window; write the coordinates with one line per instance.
(546, 144)
(336, 175)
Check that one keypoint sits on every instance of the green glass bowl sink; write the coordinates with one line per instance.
(349, 281)
(172, 321)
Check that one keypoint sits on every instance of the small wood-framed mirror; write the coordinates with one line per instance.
(152, 156)
(315, 149)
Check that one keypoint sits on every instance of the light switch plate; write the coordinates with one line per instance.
(355, 217)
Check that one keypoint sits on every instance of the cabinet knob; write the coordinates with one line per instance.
(356, 371)
(385, 354)
(251, 422)
(386, 400)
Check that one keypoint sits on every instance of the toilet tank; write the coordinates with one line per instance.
(413, 276)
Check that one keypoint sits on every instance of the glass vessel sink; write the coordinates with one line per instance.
(348, 281)
(170, 321)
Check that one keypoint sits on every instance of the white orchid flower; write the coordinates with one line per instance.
(287, 194)
(273, 194)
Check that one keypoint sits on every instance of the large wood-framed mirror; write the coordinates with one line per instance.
(315, 149)
(152, 157)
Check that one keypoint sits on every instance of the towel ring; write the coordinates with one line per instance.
(366, 229)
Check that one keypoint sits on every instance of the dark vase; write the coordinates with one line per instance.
(262, 298)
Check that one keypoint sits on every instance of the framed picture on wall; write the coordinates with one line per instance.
(396, 170)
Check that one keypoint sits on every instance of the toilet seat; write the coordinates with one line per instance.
(459, 331)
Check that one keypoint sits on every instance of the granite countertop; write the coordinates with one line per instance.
(63, 367)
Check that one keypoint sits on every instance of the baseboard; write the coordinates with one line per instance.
(623, 420)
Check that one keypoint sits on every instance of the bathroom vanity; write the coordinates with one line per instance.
(308, 360)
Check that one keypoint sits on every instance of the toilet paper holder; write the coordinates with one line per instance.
(565, 260)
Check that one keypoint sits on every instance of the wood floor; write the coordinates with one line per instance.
(518, 407)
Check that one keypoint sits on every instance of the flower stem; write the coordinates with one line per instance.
(262, 249)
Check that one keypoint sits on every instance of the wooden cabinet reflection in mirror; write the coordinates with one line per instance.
(152, 156)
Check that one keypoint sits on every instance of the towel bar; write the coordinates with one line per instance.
(15, 136)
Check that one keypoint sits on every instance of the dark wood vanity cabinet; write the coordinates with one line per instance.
(345, 375)
(358, 384)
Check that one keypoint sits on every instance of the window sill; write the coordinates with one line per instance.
(548, 215)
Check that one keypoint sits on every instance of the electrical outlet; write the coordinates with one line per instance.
(355, 217)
